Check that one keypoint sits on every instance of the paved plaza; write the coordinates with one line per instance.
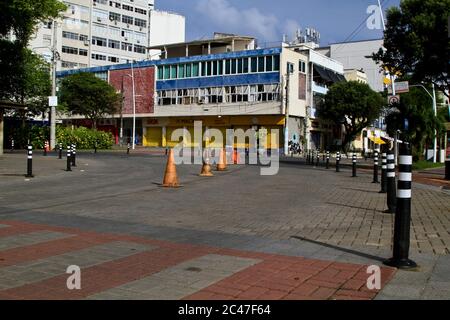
(306, 233)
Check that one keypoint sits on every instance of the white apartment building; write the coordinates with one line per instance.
(95, 33)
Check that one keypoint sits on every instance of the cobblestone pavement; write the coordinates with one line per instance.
(303, 212)
(125, 267)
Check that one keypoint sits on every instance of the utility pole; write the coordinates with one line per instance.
(134, 107)
(435, 131)
(286, 125)
(53, 106)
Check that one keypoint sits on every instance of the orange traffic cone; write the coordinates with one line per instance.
(222, 165)
(170, 176)
(206, 169)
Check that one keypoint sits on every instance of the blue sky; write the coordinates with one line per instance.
(268, 20)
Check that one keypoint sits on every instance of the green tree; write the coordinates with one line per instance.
(22, 16)
(26, 77)
(416, 108)
(416, 42)
(85, 94)
(351, 104)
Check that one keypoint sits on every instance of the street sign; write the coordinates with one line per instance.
(394, 99)
(400, 87)
(53, 101)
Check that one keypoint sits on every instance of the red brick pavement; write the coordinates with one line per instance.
(275, 277)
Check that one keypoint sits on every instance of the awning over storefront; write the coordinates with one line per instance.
(377, 140)
(329, 75)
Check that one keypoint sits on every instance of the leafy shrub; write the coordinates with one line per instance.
(84, 138)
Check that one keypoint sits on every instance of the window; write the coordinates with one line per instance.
(260, 64)
(214, 68)
(100, 15)
(245, 68)
(160, 73)
(140, 23)
(83, 52)
(128, 35)
(113, 59)
(233, 66)
(127, 46)
(269, 63)
(188, 70)
(139, 49)
(203, 69)
(276, 63)
(102, 42)
(166, 72)
(102, 75)
(97, 56)
(127, 7)
(114, 31)
(127, 19)
(195, 71)
(209, 68)
(254, 64)
(139, 37)
(83, 37)
(100, 30)
(68, 64)
(302, 66)
(181, 71)
(114, 44)
(240, 66)
(70, 35)
(141, 11)
(69, 50)
(227, 66)
(114, 16)
(173, 72)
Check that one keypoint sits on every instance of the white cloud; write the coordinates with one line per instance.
(227, 18)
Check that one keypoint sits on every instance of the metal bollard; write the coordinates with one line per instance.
(327, 165)
(375, 167)
(402, 222)
(354, 165)
(30, 162)
(95, 147)
(74, 155)
(383, 169)
(69, 158)
(308, 152)
(313, 160)
(338, 160)
(391, 189)
(317, 158)
(128, 148)
(12, 145)
(60, 151)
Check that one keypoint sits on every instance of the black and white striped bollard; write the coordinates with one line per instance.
(60, 151)
(69, 158)
(128, 148)
(338, 160)
(354, 165)
(328, 160)
(391, 189)
(375, 167)
(402, 222)
(30, 162)
(74, 155)
(383, 169)
(12, 145)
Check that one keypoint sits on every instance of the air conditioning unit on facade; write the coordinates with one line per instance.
(99, 19)
(140, 29)
(126, 39)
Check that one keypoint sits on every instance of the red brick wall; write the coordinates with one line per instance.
(144, 81)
